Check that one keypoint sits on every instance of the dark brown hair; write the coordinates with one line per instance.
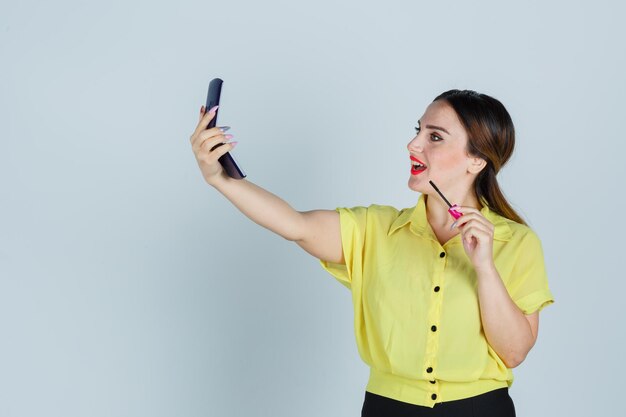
(491, 136)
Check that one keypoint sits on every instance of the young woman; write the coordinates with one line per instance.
(442, 309)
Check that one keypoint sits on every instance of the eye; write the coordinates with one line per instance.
(435, 138)
(417, 129)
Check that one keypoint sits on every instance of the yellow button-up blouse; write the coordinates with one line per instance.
(416, 313)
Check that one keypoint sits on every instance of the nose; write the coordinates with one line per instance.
(415, 145)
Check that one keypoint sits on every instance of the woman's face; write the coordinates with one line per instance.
(439, 152)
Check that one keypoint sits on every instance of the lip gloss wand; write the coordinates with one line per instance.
(452, 207)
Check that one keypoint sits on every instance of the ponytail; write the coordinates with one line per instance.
(487, 188)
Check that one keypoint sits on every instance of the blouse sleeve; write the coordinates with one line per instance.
(353, 223)
(529, 285)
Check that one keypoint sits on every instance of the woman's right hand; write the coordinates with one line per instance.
(203, 140)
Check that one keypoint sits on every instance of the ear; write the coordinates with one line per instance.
(476, 164)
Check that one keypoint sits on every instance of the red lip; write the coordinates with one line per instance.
(417, 171)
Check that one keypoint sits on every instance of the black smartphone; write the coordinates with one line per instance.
(213, 99)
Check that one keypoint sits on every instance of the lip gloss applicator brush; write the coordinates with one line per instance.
(452, 207)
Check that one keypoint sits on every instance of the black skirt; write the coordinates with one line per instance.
(493, 403)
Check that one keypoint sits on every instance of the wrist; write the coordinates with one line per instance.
(486, 268)
(218, 181)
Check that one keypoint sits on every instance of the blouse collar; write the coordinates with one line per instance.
(419, 225)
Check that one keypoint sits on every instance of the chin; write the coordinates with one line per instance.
(419, 185)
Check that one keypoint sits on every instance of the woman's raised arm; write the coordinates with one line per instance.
(317, 232)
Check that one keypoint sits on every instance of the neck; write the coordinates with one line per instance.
(437, 209)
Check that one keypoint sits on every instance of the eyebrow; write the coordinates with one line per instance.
(434, 127)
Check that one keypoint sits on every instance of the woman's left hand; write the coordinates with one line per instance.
(477, 237)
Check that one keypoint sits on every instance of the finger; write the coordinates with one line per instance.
(466, 218)
(209, 145)
(222, 149)
(474, 216)
(481, 235)
(208, 133)
(198, 139)
(201, 127)
(477, 228)
(468, 238)
(205, 119)
(466, 209)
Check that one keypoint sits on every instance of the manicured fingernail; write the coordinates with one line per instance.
(213, 108)
(233, 143)
(228, 136)
(224, 128)
(201, 109)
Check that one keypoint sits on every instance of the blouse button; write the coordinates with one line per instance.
(437, 288)
(434, 396)
(429, 370)
(433, 328)
(442, 254)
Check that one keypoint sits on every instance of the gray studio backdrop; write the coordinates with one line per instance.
(128, 287)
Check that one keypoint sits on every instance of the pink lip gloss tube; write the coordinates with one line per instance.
(453, 212)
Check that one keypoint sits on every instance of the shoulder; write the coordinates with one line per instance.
(373, 210)
(518, 235)
(373, 215)
(384, 211)
(521, 232)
